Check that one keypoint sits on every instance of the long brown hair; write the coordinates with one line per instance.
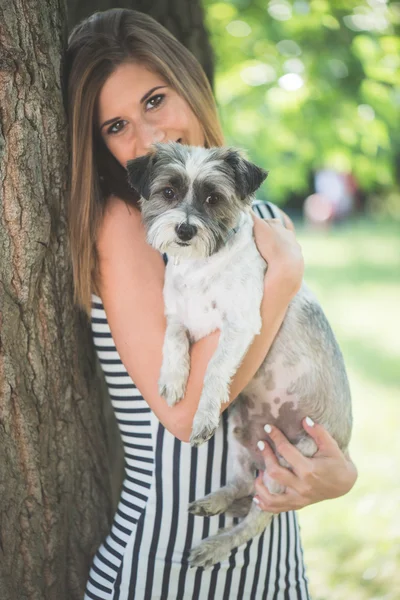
(96, 47)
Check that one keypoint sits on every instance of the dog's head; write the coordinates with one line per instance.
(192, 197)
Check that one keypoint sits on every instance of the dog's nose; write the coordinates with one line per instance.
(185, 231)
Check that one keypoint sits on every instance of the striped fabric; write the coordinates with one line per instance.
(145, 554)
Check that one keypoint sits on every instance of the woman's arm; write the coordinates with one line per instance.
(131, 279)
(328, 474)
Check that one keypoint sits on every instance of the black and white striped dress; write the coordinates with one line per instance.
(145, 554)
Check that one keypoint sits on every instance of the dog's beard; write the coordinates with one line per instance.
(161, 234)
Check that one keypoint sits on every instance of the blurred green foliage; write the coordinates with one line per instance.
(352, 544)
(303, 85)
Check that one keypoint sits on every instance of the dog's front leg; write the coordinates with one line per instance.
(231, 349)
(176, 362)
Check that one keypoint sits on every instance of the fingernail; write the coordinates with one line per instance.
(256, 500)
(267, 428)
(309, 422)
(260, 445)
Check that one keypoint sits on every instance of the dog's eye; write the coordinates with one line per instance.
(169, 193)
(212, 199)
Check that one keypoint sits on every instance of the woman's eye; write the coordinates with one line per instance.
(116, 127)
(169, 193)
(212, 199)
(155, 101)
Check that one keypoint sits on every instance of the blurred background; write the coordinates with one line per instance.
(311, 91)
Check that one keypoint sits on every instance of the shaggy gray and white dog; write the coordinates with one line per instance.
(196, 205)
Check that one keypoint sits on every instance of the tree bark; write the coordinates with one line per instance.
(183, 18)
(55, 492)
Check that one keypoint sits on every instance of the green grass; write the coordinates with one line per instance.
(352, 544)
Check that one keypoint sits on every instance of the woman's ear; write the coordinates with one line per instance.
(139, 174)
(248, 176)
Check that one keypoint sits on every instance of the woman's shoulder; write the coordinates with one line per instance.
(119, 220)
(121, 244)
(117, 208)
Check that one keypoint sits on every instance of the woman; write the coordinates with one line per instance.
(131, 84)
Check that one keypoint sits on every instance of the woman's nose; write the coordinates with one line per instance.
(146, 136)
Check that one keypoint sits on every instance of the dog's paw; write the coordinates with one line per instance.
(204, 508)
(209, 552)
(171, 390)
(213, 504)
(198, 509)
(204, 426)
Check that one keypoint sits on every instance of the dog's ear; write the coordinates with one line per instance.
(248, 177)
(139, 174)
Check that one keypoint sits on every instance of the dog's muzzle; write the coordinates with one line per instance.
(185, 231)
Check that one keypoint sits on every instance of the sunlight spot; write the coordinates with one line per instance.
(366, 112)
(288, 48)
(280, 10)
(364, 19)
(293, 65)
(301, 7)
(330, 22)
(338, 68)
(222, 11)
(257, 74)
(238, 28)
(291, 82)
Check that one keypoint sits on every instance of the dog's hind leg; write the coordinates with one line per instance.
(221, 500)
(240, 482)
(240, 507)
(218, 547)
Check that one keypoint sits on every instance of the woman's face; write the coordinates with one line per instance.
(138, 109)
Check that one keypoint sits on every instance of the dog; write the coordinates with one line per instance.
(196, 208)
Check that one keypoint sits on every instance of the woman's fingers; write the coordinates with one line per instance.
(300, 475)
(284, 448)
(327, 446)
(303, 475)
(278, 473)
(276, 503)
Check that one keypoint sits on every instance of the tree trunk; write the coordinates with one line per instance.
(183, 18)
(58, 438)
(54, 466)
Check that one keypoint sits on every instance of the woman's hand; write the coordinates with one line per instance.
(328, 474)
(279, 248)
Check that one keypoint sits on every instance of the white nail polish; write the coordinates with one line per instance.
(260, 445)
(267, 428)
(309, 422)
(256, 500)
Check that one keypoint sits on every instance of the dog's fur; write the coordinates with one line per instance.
(215, 281)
